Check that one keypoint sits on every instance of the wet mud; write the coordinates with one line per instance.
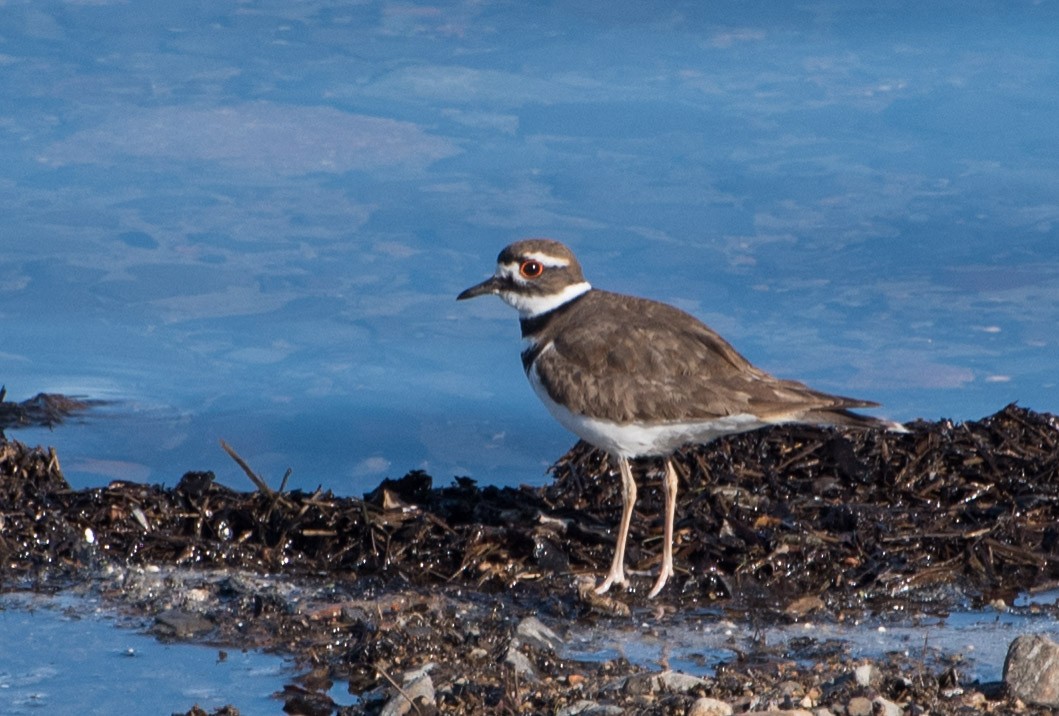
(454, 598)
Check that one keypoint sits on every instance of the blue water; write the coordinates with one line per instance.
(976, 641)
(60, 656)
(250, 220)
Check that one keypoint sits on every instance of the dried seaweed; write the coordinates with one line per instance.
(852, 517)
(855, 515)
(776, 524)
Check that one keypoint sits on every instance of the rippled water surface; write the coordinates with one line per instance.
(250, 220)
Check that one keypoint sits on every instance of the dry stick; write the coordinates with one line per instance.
(401, 691)
(246, 468)
(283, 482)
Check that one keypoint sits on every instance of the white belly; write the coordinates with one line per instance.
(634, 440)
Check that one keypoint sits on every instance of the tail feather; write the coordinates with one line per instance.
(847, 418)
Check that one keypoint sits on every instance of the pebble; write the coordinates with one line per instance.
(667, 681)
(418, 687)
(181, 624)
(1031, 670)
(885, 707)
(867, 675)
(521, 664)
(590, 708)
(705, 706)
(859, 706)
(533, 632)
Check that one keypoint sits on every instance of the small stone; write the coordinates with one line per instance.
(667, 681)
(521, 663)
(677, 682)
(601, 603)
(1031, 670)
(705, 706)
(533, 632)
(885, 707)
(577, 708)
(590, 708)
(859, 706)
(867, 675)
(180, 624)
(804, 605)
(975, 700)
(418, 688)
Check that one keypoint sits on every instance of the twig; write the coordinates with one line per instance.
(261, 485)
(401, 691)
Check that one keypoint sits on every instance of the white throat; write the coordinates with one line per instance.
(530, 306)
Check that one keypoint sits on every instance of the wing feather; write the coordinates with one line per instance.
(630, 359)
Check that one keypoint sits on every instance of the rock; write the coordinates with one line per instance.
(601, 603)
(1031, 670)
(533, 632)
(521, 664)
(590, 708)
(867, 675)
(677, 682)
(576, 708)
(885, 707)
(859, 706)
(705, 706)
(804, 605)
(180, 624)
(418, 688)
(673, 682)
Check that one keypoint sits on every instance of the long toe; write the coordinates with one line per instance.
(663, 576)
(613, 577)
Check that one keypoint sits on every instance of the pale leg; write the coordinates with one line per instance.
(628, 498)
(669, 492)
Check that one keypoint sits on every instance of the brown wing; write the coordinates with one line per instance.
(628, 359)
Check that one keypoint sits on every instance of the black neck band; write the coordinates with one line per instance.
(536, 324)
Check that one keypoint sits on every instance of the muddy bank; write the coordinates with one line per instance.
(436, 590)
(47, 409)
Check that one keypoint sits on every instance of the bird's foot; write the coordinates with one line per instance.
(613, 577)
(663, 576)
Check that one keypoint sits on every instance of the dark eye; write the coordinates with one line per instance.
(531, 268)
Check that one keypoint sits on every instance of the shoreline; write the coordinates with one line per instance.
(778, 527)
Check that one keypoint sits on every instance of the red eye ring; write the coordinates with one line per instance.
(531, 268)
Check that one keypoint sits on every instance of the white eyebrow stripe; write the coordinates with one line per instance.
(548, 259)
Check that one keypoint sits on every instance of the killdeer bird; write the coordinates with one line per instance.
(639, 378)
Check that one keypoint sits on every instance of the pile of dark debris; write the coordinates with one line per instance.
(402, 592)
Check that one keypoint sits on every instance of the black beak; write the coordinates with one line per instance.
(490, 285)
